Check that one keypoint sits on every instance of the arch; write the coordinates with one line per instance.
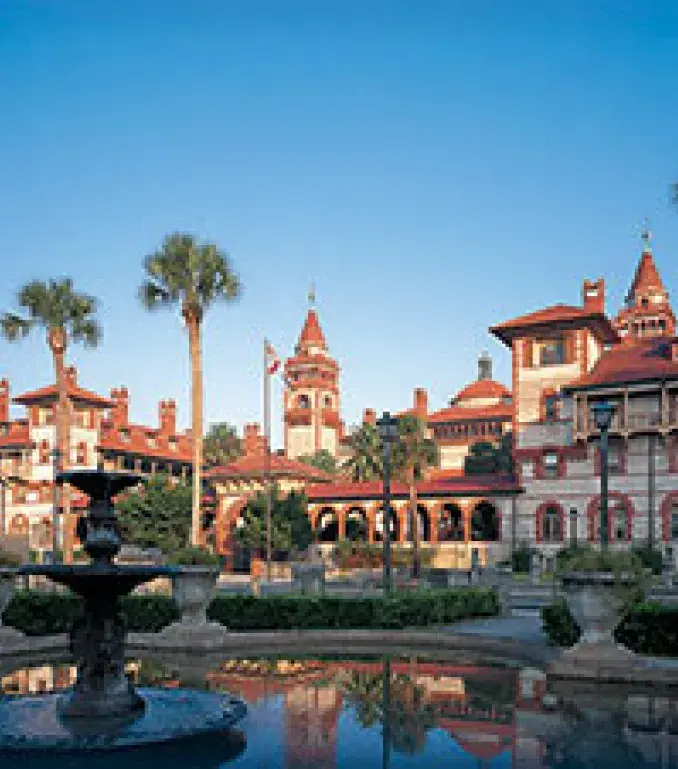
(327, 525)
(485, 523)
(550, 522)
(357, 524)
(19, 524)
(303, 401)
(379, 525)
(668, 512)
(451, 523)
(617, 503)
(424, 523)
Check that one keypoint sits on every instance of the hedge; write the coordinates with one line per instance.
(40, 613)
(647, 628)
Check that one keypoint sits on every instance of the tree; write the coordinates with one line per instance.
(365, 462)
(290, 527)
(322, 459)
(193, 276)
(156, 515)
(65, 315)
(414, 453)
(485, 458)
(221, 445)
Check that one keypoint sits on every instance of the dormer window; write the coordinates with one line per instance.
(124, 436)
(172, 444)
(152, 441)
(551, 352)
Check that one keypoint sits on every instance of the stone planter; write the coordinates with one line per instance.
(193, 589)
(596, 608)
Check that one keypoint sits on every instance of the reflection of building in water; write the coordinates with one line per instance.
(39, 680)
(311, 719)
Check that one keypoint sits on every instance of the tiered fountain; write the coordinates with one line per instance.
(104, 710)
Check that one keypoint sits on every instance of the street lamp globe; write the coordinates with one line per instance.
(387, 427)
(603, 411)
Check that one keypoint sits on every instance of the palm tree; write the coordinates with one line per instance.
(193, 276)
(65, 315)
(221, 445)
(415, 452)
(365, 462)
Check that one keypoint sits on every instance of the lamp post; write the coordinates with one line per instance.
(388, 432)
(603, 412)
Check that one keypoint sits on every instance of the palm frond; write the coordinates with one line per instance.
(86, 330)
(14, 327)
(153, 296)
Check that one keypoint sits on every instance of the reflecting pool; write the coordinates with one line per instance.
(389, 713)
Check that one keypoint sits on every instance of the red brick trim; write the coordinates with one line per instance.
(665, 512)
(539, 519)
(593, 510)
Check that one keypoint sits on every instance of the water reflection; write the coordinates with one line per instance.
(408, 711)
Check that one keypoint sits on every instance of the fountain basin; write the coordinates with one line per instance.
(35, 723)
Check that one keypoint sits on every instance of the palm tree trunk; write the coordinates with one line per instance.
(416, 544)
(195, 351)
(57, 344)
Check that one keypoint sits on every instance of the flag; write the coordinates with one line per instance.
(272, 359)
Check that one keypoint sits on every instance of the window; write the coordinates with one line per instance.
(81, 454)
(328, 401)
(552, 525)
(551, 408)
(550, 464)
(552, 352)
(304, 402)
(44, 453)
(674, 521)
(619, 521)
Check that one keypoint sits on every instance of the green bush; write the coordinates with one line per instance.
(650, 558)
(521, 559)
(647, 628)
(41, 613)
(193, 556)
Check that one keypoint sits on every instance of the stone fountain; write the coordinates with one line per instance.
(103, 709)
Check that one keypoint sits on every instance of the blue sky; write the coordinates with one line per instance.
(434, 166)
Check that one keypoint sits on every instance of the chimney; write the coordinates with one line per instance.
(120, 410)
(71, 376)
(255, 444)
(593, 295)
(4, 400)
(421, 402)
(369, 417)
(484, 366)
(168, 417)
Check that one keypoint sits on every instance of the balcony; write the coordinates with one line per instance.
(627, 424)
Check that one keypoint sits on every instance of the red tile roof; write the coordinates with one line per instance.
(467, 413)
(15, 434)
(467, 485)
(311, 334)
(627, 363)
(75, 392)
(483, 388)
(647, 275)
(556, 315)
(140, 442)
(254, 466)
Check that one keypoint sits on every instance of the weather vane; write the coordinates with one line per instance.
(311, 295)
(646, 235)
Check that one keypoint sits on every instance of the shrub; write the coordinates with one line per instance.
(647, 628)
(521, 559)
(650, 558)
(42, 613)
(193, 556)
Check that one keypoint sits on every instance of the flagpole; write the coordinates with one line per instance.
(267, 459)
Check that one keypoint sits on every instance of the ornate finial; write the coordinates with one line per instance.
(646, 236)
(311, 296)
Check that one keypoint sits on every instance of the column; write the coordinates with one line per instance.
(466, 517)
(433, 514)
(341, 514)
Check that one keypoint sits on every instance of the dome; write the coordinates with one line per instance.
(483, 388)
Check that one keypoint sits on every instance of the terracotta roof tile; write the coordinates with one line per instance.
(74, 392)
(557, 314)
(14, 434)
(466, 413)
(254, 466)
(311, 334)
(646, 276)
(483, 388)
(450, 486)
(145, 441)
(627, 363)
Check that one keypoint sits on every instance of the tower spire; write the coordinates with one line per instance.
(646, 237)
(311, 296)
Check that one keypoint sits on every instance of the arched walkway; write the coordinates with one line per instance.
(619, 519)
(451, 523)
(379, 526)
(327, 526)
(424, 523)
(485, 523)
(357, 526)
